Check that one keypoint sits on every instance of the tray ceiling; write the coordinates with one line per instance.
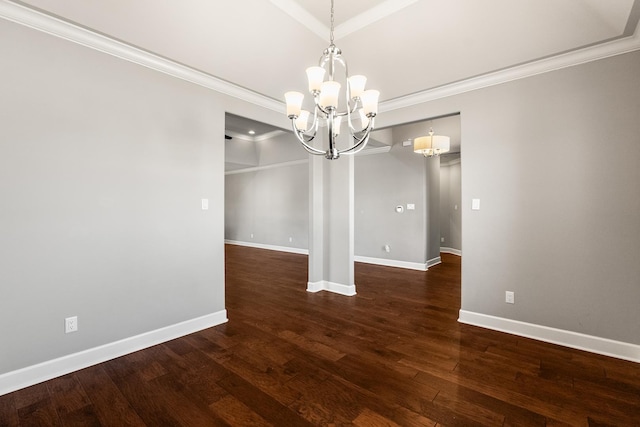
(403, 46)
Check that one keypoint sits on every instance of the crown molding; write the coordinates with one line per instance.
(370, 16)
(300, 14)
(250, 138)
(26, 16)
(269, 135)
(236, 135)
(57, 27)
(565, 60)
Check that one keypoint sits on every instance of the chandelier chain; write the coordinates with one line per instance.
(331, 33)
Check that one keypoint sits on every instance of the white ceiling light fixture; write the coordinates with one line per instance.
(326, 93)
(431, 145)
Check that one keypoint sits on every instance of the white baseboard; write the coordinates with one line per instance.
(367, 260)
(392, 263)
(434, 261)
(337, 288)
(268, 247)
(604, 346)
(25, 377)
(451, 251)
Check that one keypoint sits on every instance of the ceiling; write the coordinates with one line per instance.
(403, 46)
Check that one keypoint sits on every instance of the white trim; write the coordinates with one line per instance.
(240, 136)
(392, 263)
(269, 135)
(336, 288)
(26, 16)
(367, 260)
(315, 286)
(434, 261)
(451, 251)
(265, 167)
(25, 377)
(369, 16)
(258, 138)
(565, 60)
(300, 14)
(268, 247)
(593, 344)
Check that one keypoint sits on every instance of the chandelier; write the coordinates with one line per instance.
(431, 145)
(359, 102)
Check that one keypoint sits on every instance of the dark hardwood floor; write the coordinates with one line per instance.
(392, 355)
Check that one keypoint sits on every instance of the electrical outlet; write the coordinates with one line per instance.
(442, 240)
(290, 239)
(509, 297)
(70, 324)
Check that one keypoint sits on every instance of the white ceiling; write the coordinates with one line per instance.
(403, 46)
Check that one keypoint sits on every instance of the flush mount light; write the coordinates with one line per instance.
(359, 102)
(252, 132)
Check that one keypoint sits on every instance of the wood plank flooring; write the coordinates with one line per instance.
(393, 355)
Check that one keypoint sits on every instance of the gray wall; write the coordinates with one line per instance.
(554, 159)
(450, 205)
(102, 167)
(267, 204)
(272, 204)
(382, 182)
(400, 177)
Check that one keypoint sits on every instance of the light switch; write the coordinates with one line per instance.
(205, 204)
(475, 204)
(411, 206)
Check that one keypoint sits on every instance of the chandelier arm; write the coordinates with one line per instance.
(304, 141)
(360, 142)
(349, 113)
(316, 100)
(350, 110)
(356, 148)
(314, 124)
